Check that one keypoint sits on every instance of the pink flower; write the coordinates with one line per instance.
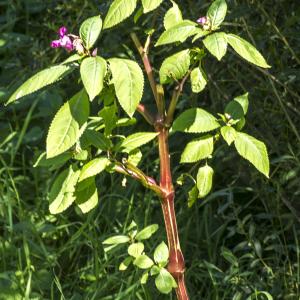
(64, 42)
(202, 21)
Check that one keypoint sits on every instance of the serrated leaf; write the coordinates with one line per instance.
(118, 12)
(116, 240)
(204, 180)
(143, 262)
(41, 80)
(243, 100)
(93, 168)
(90, 30)
(228, 134)
(216, 44)
(61, 195)
(92, 71)
(254, 151)
(136, 249)
(175, 66)
(136, 140)
(128, 80)
(198, 149)
(216, 13)
(198, 80)
(66, 126)
(125, 263)
(195, 120)
(238, 107)
(161, 253)
(173, 16)
(246, 50)
(149, 5)
(147, 232)
(87, 198)
(165, 282)
(178, 33)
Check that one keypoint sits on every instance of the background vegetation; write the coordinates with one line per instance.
(242, 239)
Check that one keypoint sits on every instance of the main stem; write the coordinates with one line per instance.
(176, 264)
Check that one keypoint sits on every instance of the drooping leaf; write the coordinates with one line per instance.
(175, 66)
(177, 33)
(94, 167)
(136, 249)
(149, 5)
(173, 16)
(216, 44)
(204, 180)
(116, 240)
(128, 80)
(143, 262)
(198, 149)
(165, 282)
(228, 134)
(66, 126)
(87, 198)
(90, 30)
(147, 232)
(195, 120)
(254, 151)
(93, 70)
(118, 12)
(136, 140)
(193, 196)
(41, 80)
(246, 50)
(216, 13)
(198, 80)
(161, 253)
(61, 195)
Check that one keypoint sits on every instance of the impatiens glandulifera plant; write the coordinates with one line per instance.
(82, 145)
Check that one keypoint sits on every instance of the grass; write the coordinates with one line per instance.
(241, 240)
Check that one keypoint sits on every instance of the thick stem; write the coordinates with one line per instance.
(176, 264)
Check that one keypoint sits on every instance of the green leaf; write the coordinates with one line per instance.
(116, 240)
(198, 149)
(193, 196)
(128, 80)
(246, 50)
(118, 12)
(204, 180)
(41, 80)
(238, 107)
(199, 33)
(198, 80)
(150, 5)
(216, 13)
(54, 162)
(216, 44)
(143, 262)
(125, 263)
(195, 120)
(90, 30)
(61, 195)
(136, 140)
(92, 71)
(97, 139)
(254, 151)
(173, 16)
(93, 168)
(147, 232)
(87, 198)
(134, 157)
(67, 124)
(136, 249)
(161, 253)
(177, 33)
(165, 282)
(228, 134)
(145, 277)
(154, 270)
(175, 66)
